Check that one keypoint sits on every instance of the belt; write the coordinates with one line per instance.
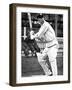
(52, 46)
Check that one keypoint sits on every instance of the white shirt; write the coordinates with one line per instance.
(47, 33)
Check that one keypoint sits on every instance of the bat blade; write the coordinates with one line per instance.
(30, 22)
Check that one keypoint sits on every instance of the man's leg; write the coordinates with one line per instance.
(43, 64)
(52, 53)
(54, 66)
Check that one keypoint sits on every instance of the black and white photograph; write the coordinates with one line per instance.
(41, 44)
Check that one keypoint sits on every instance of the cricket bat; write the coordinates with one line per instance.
(30, 22)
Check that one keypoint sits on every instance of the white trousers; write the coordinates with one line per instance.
(51, 53)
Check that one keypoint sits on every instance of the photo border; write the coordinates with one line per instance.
(12, 48)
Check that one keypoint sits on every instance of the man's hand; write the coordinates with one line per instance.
(32, 34)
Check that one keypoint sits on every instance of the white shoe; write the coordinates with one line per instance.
(49, 73)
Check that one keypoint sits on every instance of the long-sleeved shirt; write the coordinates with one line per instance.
(47, 33)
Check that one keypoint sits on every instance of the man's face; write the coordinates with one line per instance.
(40, 20)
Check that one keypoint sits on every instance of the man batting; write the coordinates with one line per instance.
(47, 33)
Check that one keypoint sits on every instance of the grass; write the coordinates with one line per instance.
(30, 66)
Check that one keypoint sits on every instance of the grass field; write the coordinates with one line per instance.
(30, 66)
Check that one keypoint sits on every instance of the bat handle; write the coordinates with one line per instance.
(30, 29)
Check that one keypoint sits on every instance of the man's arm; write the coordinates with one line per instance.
(40, 33)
